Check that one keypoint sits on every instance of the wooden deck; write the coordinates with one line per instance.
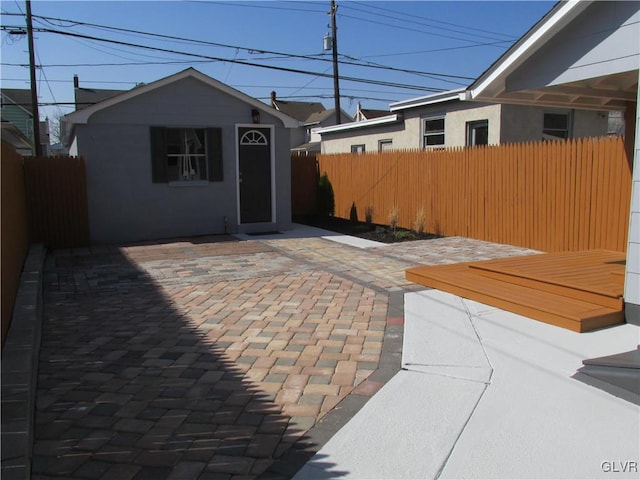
(580, 291)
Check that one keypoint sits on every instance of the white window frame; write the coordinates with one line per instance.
(189, 164)
(472, 127)
(424, 122)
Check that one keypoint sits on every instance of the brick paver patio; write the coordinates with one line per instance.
(215, 358)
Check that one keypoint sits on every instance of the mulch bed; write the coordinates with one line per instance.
(369, 231)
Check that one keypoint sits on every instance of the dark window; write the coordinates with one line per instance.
(433, 132)
(478, 133)
(186, 154)
(357, 148)
(555, 126)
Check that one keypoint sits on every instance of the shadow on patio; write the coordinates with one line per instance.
(131, 387)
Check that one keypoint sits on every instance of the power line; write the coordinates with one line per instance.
(249, 49)
(413, 29)
(413, 16)
(240, 62)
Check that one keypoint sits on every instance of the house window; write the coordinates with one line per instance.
(478, 133)
(385, 145)
(555, 126)
(357, 148)
(186, 154)
(433, 132)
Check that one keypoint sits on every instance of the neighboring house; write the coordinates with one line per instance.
(184, 155)
(85, 97)
(16, 110)
(448, 120)
(311, 115)
(580, 55)
(363, 114)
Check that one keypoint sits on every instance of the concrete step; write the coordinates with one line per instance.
(621, 370)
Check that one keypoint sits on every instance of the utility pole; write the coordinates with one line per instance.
(34, 93)
(336, 83)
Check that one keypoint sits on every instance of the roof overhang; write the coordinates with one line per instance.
(610, 91)
(448, 96)
(344, 127)
(82, 116)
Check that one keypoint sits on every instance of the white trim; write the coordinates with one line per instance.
(272, 161)
(82, 116)
(451, 95)
(355, 125)
(528, 44)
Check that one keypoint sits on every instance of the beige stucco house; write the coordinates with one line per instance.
(448, 119)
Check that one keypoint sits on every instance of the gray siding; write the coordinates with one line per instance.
(124, 204)
(603, 40)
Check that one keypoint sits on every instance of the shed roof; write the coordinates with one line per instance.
(82, 116)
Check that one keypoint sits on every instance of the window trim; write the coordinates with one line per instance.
(356, 148)
(471, 127)
(159, 156)
(423, 128)
(385, 141)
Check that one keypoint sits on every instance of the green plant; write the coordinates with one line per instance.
(419, 223)
(392, 218)
(326, 203)
(401, 235)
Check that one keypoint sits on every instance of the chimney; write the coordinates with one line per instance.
(273, 99)
(76, 81)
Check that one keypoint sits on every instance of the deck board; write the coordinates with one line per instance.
(581, 291)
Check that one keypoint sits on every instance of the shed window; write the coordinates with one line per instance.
(357, 148)
(433, 132)
(186, 154)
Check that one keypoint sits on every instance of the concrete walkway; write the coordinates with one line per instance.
(235, 358)
(488, 394)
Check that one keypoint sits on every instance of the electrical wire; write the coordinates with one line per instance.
(413, 16)
(240, 62)
(250, 50)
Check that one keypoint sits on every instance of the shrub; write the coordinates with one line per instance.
(326, 203)
(401, 235)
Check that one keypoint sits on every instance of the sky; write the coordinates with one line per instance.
(388, 50)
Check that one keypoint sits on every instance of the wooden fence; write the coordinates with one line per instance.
(56, 190)
(550, 196)
(15, 231)
(304, 184)
(44, 200)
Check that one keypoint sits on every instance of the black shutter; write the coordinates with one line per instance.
(214, 154)
(158, 155)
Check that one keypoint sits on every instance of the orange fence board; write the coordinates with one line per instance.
(550, 196)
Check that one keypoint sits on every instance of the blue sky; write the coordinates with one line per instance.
(448, 43)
